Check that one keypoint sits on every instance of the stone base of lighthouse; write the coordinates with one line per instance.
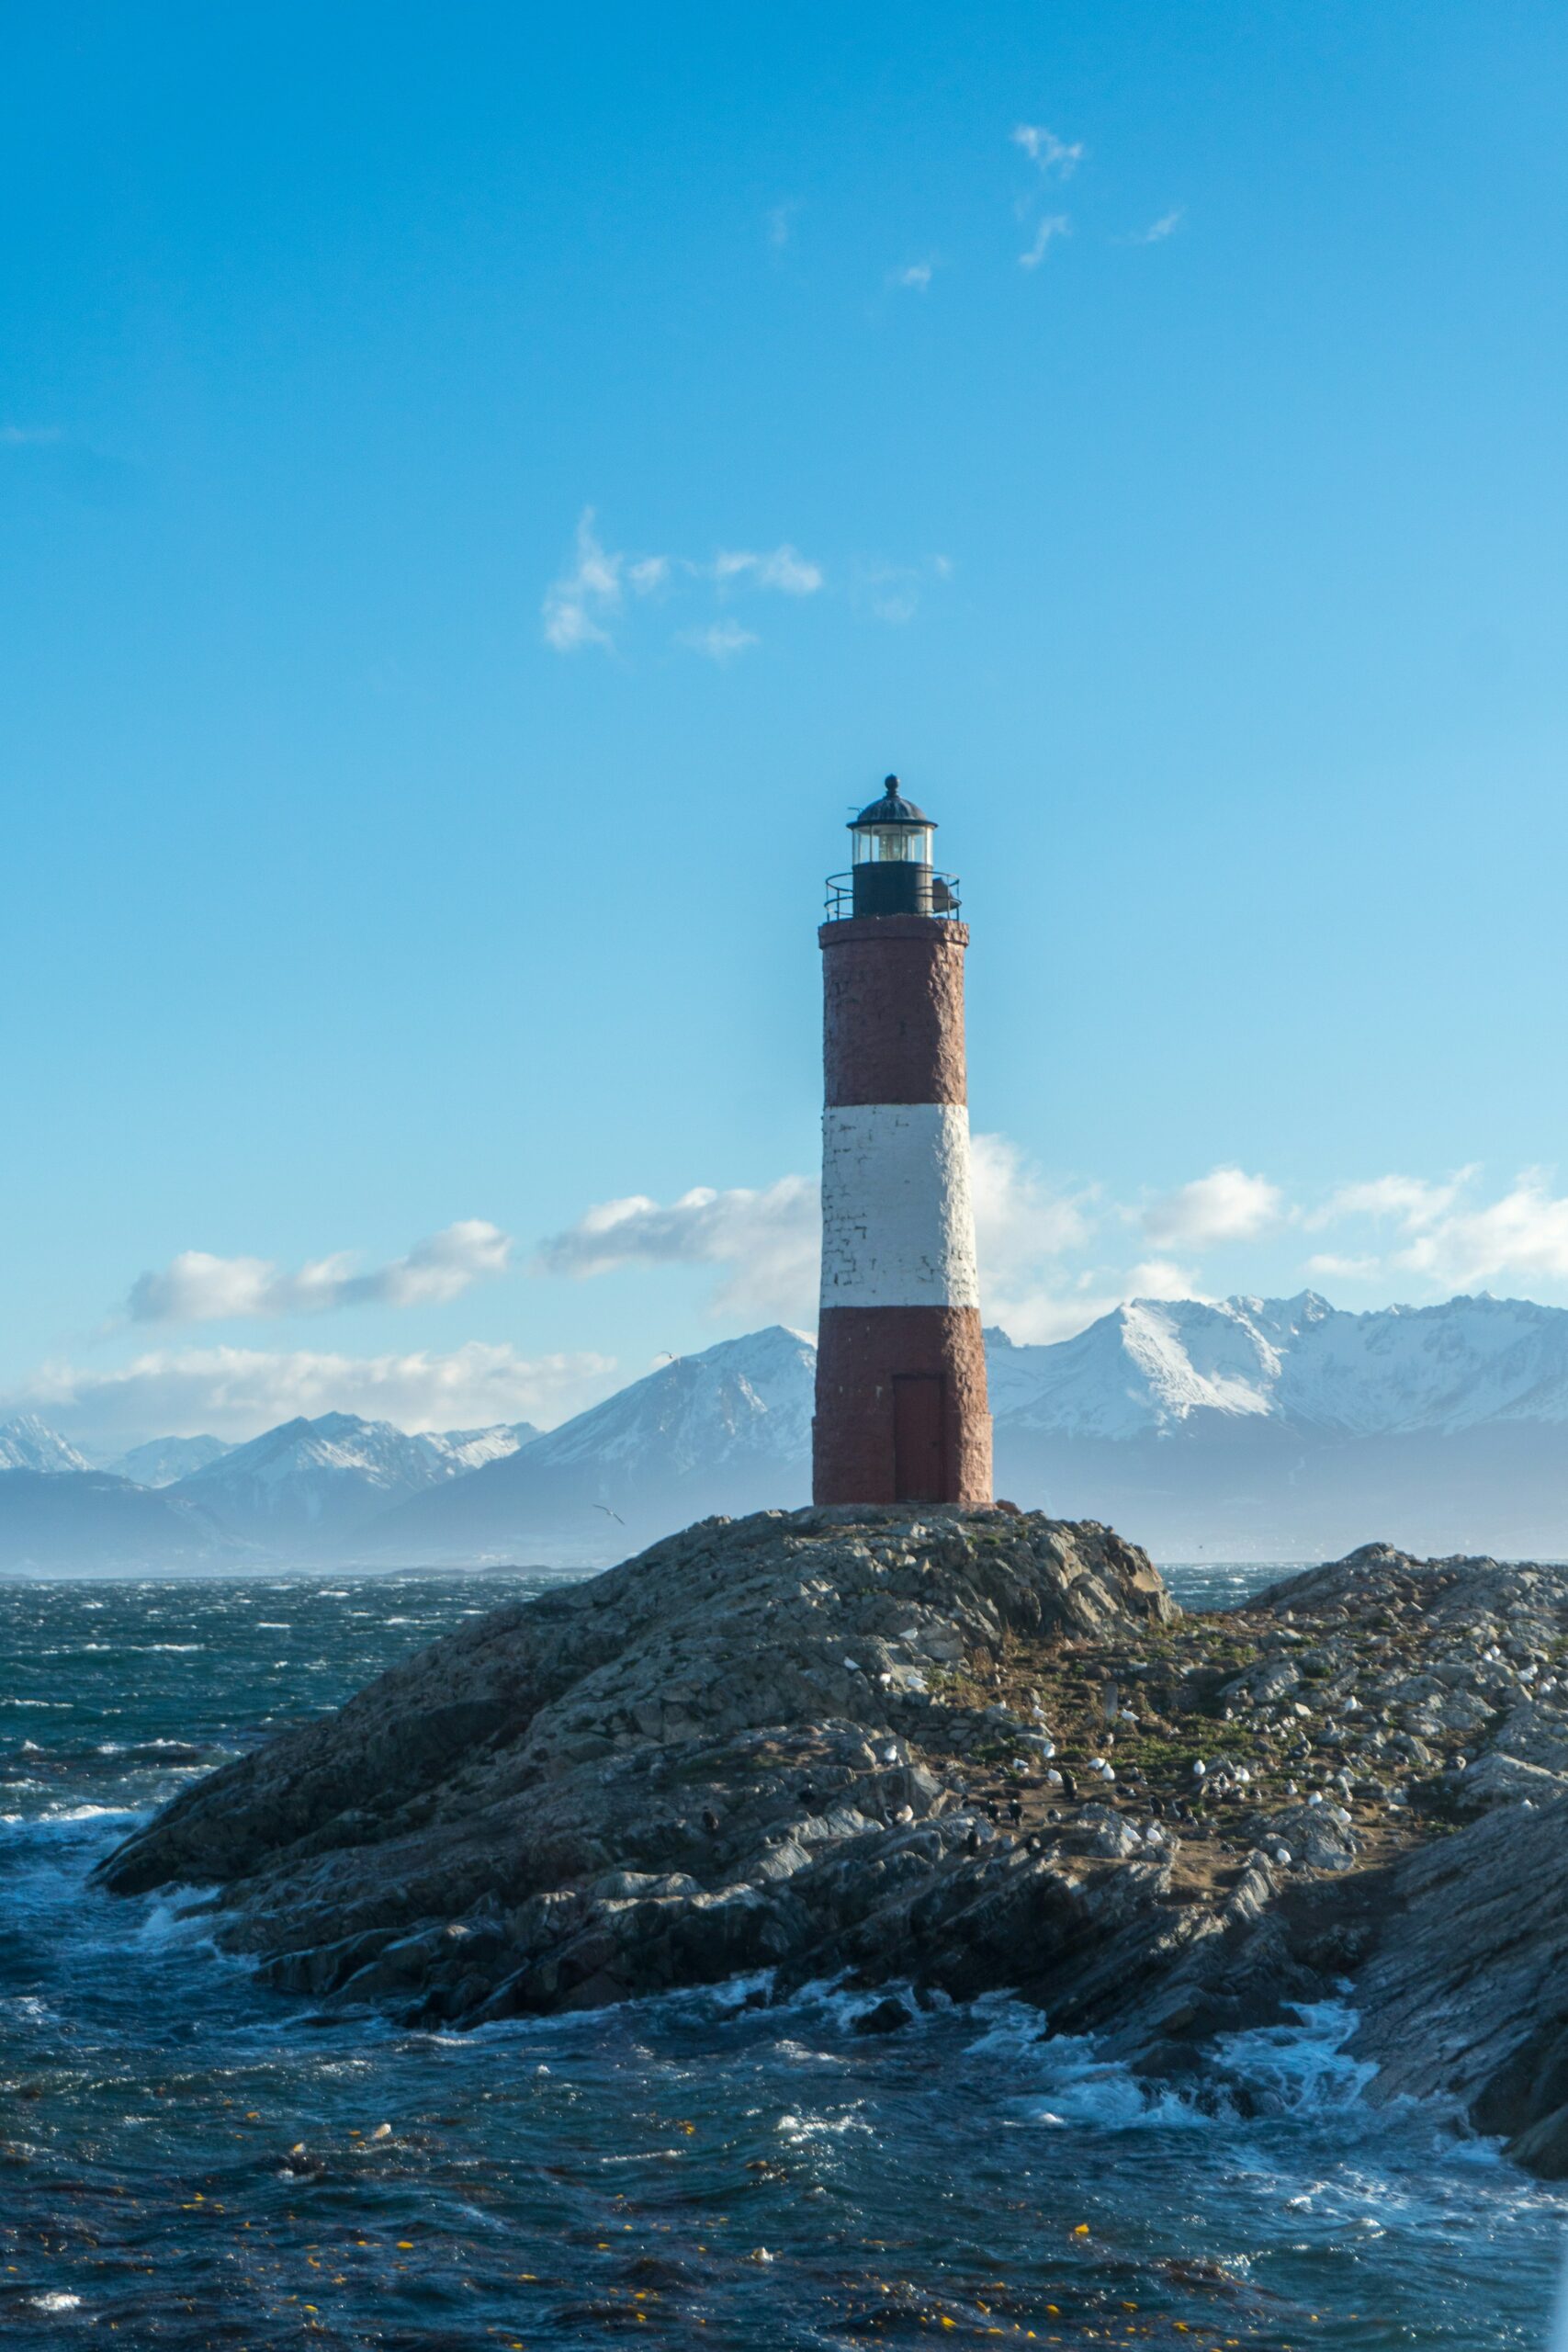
(901, 1411)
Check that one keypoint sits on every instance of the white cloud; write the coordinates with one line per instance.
(769, 1239)
(237, 1392)
(1523, 1233)
(576, 604)
(1226, 1205)
(196, 1287)
(1410, 1199)
(1159, 1278)
(579, 607)
(1446, 1239)
(1157, 230)
(781, 225)
(916, 277)
(29, 436)
(1055, 157)
(783, 568)
(719, 642)
(1053, 225)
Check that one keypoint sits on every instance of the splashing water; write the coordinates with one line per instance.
(188, 2160)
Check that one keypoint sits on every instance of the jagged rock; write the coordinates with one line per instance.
(1314, 1836)
(811, 1743)
(664, 1776)
(1468, 1990)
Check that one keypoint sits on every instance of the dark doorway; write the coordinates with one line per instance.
(919, 1436)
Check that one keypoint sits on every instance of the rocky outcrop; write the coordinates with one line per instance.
(946, 1753)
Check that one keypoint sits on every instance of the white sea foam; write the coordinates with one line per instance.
(68, 1818)
(1301, 2068)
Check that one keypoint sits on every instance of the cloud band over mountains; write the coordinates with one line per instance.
(196, 1287)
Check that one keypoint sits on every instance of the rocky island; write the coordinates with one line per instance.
(938, 1753)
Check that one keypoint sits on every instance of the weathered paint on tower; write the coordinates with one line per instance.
(901, 1409)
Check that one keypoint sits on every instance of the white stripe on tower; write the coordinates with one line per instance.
(897, 1221)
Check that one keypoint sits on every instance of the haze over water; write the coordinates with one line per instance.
(766, 2174)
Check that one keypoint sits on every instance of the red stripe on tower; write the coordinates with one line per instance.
(901, 1413)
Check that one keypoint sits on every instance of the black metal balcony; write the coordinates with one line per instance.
(891, 888)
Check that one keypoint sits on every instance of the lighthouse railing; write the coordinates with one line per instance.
(840, 903)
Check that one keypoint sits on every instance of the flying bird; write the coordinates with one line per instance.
(609, 1513)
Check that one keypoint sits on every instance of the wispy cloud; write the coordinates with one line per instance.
(1046, 232)
(237, 1392)
(719, 642)
(916, 276)
(768, 1240)
(197, 1287)
(582, 605)
(29, 436)
(1056, 157)
(1446, 1239)
(892, 592)
(781, 221)
(1414, 1202)
(1157, 230)
(578, 604)
(783, 568)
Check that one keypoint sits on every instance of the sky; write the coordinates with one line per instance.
(486, 492)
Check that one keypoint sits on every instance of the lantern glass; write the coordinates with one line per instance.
(893, 844)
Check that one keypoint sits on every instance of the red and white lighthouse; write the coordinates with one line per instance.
(901, 1412)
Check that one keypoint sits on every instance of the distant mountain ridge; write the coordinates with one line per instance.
(1246, 1427)
(726, 1431)
(164, 1460)
(316, 1481)
(1152, 1364)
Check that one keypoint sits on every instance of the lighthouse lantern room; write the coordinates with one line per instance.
(901, 1409)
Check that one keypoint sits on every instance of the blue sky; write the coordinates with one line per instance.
(484, 494)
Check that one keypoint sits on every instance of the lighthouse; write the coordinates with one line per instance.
(901, 1413)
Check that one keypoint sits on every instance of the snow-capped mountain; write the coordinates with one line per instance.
(164, 1460)
(1286, 1428)
(729, 1429)
(472, 1449)
(1247, 1429)
(26, 1443)
(1154, 1364)
(313, 1482)
(739, 1400)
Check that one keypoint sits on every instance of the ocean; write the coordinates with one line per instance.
(188, 2159)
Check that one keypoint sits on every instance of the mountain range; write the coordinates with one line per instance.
(1243, 1428)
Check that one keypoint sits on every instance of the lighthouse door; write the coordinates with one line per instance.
(919, 1436)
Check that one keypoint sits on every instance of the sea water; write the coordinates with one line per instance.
(188, 2159)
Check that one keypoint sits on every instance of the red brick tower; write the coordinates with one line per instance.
(901, 1413)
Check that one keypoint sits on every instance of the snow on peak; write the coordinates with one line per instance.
(163, 1460)
(1153, 1363)
(28, 1443)
(741, 1397)
(470, 1448)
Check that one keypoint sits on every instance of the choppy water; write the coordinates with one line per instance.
(763, 2180)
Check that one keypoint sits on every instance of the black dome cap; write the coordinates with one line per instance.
(891, 810)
